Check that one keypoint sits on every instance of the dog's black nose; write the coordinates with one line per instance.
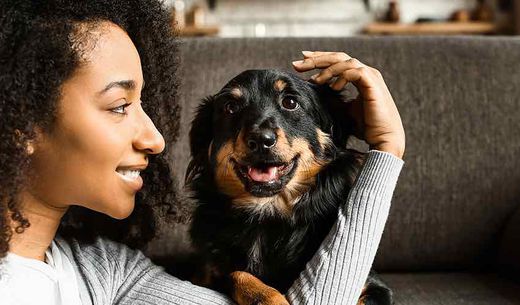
(263, 139)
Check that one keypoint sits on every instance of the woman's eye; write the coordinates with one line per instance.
(289, 103)
(232, 107)
(120, 109)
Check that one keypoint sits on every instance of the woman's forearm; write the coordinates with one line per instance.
(338, 271)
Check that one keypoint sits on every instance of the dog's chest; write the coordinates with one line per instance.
(276, 254)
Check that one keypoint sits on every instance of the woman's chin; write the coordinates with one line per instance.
(121, 211)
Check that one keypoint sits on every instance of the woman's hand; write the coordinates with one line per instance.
(377, 119)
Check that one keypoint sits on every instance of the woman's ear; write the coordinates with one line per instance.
(30, 148)
(201, 135)
(28, 142)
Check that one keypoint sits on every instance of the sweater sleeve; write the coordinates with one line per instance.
(115, 274)
(338, 271)
(146, 283)
(112, 273)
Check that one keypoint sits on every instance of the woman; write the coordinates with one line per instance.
(78, 132)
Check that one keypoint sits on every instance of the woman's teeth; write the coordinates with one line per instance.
(129, 174)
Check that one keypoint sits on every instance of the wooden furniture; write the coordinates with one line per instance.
(431, 28)
(192, 31)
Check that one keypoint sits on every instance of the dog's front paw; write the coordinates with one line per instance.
(274, 298)
(249, 290)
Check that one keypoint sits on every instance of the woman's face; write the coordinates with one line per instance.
(101, 138)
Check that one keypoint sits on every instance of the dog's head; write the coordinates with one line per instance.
(266, 135)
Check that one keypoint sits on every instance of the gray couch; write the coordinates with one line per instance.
(452, 236)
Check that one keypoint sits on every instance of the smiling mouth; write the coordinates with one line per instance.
(265, 178)
(129, 174)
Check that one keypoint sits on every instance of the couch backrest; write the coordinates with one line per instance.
(459, 99)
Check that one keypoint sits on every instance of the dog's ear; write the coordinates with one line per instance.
(341, 126)
(201, 135)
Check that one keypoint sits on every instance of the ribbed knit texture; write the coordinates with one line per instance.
(111, 273)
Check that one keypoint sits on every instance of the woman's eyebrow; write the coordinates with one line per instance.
(124, 84)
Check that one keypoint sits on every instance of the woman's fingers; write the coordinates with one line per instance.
(308, 54)
(360, 77)
(339, 84)
(369, 84)
(319, 60)
(336, 69)
(342, 66)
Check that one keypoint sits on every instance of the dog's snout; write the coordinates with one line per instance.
(262, 139)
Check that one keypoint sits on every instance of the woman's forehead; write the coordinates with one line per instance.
(112, 58)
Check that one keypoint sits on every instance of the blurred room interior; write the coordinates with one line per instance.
(339, 18)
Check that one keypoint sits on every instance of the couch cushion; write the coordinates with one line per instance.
(509, 250)
(451, 289)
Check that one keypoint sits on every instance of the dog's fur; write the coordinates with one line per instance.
(270, 229)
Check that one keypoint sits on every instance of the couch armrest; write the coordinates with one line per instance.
(509, 246)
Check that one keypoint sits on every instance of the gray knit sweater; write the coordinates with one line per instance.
(111, 273)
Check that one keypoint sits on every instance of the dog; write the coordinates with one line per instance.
(269, 171)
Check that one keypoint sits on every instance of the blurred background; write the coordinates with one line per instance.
(297, 18)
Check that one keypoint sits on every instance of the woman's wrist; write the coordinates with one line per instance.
(395, 150)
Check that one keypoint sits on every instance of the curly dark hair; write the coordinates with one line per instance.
(36, 56)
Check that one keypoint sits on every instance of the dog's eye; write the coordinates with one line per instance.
(232, 107)
(289, 103)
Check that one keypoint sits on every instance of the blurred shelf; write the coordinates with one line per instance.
(192, 31)
(429, 28)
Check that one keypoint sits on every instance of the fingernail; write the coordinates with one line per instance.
(297, 62)
(307, 53)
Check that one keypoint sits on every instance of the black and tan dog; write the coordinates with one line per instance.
(269, 171)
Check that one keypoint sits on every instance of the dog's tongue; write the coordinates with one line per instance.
(263, 175)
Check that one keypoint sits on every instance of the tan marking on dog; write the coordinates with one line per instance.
(247, 289)
(236, 92)
(362, 298)
(279, 85)
(324, 139)
(240, 146)
(225, 176)
(309, 166)
(282, 147)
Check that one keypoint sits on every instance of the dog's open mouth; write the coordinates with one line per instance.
(265, 178)
(267, 173)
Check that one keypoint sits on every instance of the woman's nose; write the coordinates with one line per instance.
(148, 139)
